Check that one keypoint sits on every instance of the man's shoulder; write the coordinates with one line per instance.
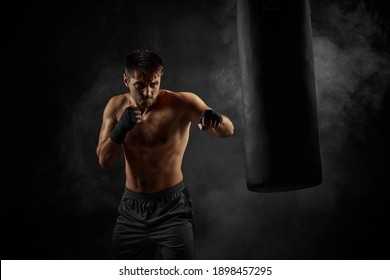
(184, 99)
(121, 97)
(118, 100)
(184, 96)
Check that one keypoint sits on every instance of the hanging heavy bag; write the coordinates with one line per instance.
(281, 140)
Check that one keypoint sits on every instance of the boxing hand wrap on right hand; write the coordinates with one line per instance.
(125, 124)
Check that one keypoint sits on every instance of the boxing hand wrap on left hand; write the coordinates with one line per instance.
(210, 117)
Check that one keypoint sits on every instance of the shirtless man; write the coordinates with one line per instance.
(152, 127)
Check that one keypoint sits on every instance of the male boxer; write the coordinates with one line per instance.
(152, 127)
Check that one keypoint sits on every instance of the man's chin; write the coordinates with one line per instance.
(146, 104)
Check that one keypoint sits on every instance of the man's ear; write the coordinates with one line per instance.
(125, 80)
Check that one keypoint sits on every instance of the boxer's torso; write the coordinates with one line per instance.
(154, 148)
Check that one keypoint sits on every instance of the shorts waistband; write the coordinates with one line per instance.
(157, 195)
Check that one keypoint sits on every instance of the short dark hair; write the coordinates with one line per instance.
(145, 61)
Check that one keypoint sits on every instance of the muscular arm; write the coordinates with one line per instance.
(196, 107)
(107, 150)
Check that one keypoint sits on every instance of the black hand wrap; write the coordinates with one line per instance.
(126, 123)
(212, 116)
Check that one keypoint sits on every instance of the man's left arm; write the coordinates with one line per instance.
(207, 118)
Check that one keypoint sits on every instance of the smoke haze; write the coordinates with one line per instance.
(197, 41)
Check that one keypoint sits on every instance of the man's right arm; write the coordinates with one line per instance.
(107, 150)
(113, 131)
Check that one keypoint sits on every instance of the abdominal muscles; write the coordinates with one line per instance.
(153, 159)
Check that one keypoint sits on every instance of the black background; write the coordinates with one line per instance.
(65, 60)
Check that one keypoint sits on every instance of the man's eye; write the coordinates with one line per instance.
(139, 86)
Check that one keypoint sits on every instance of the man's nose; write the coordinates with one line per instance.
(147, 91)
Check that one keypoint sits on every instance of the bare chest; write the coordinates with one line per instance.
(156, 128)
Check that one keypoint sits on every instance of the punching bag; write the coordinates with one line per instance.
(281, 140)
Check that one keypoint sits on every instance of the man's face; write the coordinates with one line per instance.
(143, 90)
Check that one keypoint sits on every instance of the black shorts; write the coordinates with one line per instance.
(154, 226)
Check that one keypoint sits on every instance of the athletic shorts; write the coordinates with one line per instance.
(154, 226)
